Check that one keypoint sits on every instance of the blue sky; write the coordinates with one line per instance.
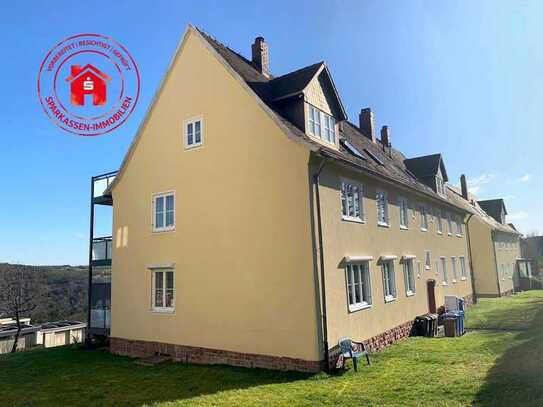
(463, 78)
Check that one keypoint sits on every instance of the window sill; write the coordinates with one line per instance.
(410, 293)
(163, 311)
(162, 230)
(427, 267)
(463, 278)
(390, 298)
(449, 234)
(444, 283)
(424, 229)
(457, 235)
(352, 219)
(193, 146)
(454, 281)
(403, 227)
(440, 233)
(359, 307)
(383, 225)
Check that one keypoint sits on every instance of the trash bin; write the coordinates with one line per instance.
(450, 326)
(426, 325)
(461, 320)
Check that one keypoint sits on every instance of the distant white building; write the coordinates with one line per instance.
(60, 333)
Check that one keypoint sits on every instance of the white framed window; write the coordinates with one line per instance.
(439, 223)
(454, 271)
(404, 217)
(389, 282)
(462, 267)
(352, 201)
(164, 211)
(458, 226)
(409, 277)
(440, 186)
(194, 132)
(444, 270)
(163, 291)
(322, 125)
(423, 219)
(427, 259)
(382, 208)
(449, 222)
(358, 285)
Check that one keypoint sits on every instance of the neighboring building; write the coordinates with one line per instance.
(27, 337)
(532, 248)
(254, 225)
(60, 333)
(495, 246)
(9, 321)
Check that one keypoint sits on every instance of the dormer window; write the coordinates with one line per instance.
(322, 125)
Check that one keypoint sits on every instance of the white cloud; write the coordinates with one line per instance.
(475, 184)
(517, 216)
(525, 178)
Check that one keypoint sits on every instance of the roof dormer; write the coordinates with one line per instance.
(430, 170)
(495, 208)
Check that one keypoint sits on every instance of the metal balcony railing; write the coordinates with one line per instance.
(101, 248)
(100, 318)
(102, 182)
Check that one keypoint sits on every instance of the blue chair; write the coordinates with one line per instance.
(348, 351)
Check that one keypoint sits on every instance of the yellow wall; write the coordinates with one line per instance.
(242, 246)
(507, 249)
(483, 257)
(343, 238)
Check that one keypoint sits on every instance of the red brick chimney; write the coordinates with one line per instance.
(261, 57)
(464, 187)
(366, 123)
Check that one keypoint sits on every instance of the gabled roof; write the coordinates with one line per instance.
(472, 206)
(427, 166)
(493, 206)
(393, 168)
(295, 82)
(77, 71)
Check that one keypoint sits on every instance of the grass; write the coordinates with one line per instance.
(499, 364)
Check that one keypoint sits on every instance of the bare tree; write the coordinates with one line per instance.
(21, 291)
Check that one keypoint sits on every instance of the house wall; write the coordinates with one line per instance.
(507, 248)
(25, 342)
(344, 238)
(242, 245)
(483, 258)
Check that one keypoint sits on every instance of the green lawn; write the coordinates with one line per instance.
(490, 366)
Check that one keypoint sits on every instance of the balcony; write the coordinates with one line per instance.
(100, 183)
(101, 251)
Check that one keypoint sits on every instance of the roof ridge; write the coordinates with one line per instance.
(298, 70)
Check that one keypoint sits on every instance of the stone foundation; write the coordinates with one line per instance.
(196, 355)
(387, 338)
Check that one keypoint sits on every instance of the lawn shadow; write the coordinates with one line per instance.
(516, 378)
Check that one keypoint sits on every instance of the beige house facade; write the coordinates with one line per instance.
(254, 225)
(497, 262)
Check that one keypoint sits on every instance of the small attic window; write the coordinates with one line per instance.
(352, 149)
(375, 158)
(322, 125)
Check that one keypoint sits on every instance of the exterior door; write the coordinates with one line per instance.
(431, 289)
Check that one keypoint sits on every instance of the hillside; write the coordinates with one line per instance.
(66, 292)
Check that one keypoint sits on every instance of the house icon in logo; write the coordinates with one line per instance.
(87, 81)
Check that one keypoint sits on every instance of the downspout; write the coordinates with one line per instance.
(472, 277)
(321, 266)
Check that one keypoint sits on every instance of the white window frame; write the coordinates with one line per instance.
(186, 124)
(454, 269)
(459, 226)
(327, 124)
(449, 224)
(153, 212)
(163, 308)
(362, 268)
(409, 271)
(423, 218)
(378, 195)
(439, 223)
(444, 275)
(463, 274)
(427, 259)
(403, 206)
(344, 201)
(390, 279)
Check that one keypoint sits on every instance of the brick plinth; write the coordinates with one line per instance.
(196, 355)
(389, 337)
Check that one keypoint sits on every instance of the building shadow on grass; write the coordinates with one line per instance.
(516, 379)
